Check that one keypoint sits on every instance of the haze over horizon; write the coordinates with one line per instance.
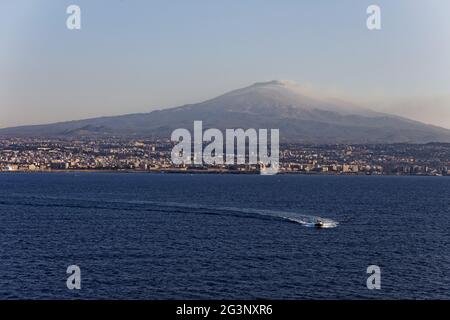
(132, 57)
(301, 115)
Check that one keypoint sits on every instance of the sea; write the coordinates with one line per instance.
(211, 236)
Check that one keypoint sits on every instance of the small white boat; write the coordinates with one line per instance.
(319, 224)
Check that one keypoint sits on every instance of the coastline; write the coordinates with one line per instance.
(207, 172)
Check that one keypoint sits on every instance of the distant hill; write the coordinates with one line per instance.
(301, 117)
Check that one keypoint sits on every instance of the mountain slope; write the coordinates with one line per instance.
(301, 117)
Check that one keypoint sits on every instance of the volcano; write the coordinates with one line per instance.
(301, 117)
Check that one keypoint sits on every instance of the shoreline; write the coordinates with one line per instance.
(206, 172)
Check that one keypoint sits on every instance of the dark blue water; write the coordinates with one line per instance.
(147, 236)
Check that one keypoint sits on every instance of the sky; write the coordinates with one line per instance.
(137, 56)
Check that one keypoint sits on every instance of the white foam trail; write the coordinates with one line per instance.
(302, 219)
(326, 225)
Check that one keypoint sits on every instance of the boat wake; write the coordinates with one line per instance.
(302, 219)
(326, 223)
(174, 207)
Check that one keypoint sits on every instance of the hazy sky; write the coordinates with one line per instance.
(135, 56)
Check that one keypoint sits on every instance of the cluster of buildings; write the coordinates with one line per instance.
(108, 154)
(388, 159)
(118, 154)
